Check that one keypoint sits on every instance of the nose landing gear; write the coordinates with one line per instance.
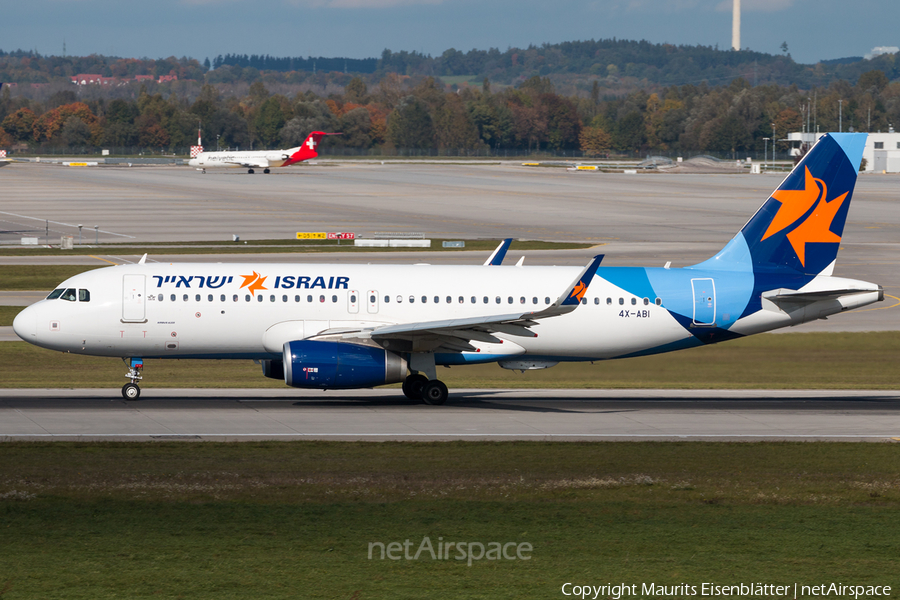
(131, 391)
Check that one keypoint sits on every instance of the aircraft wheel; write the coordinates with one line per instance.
(435, 392)
(266, 171)
(412, 386)
(250, 171)
(131, 391)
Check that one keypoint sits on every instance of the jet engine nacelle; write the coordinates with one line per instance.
(339, 365)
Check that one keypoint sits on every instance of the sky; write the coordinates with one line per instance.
(813, 29)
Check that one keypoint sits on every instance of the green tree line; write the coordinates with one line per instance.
(401, 112)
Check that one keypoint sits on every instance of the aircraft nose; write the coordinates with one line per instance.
(25, 324)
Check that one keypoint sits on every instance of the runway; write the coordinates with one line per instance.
(384, 415)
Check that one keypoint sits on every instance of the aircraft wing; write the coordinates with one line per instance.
(455, 334)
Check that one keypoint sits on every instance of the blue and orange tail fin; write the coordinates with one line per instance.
(800, 226)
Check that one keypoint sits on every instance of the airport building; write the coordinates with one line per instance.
(882, 153)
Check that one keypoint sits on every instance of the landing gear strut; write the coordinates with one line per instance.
(131, 391)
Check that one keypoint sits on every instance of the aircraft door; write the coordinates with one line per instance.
(353, 301)
(704, 302)
(134, 298)
(372, 301)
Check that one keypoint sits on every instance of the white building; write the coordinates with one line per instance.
(882, 152)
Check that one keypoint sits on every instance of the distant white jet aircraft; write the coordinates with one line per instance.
(260, 159)
(344, 326)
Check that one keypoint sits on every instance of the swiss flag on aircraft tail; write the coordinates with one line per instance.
(308, 149)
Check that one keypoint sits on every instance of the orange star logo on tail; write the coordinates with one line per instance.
(255, 282)
(795, 204)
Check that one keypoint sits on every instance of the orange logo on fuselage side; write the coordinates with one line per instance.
(795, 204)
(255, 282)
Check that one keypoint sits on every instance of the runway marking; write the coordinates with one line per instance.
(103, 259)
(63, 224)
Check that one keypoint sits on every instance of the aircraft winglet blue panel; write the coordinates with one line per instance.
(853, 145)
(500, 253)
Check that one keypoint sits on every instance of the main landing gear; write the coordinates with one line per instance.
(131, 391)
(266, 171)
(250, 171)
(419, 386)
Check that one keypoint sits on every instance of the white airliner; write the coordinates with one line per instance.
(260, 159)
(337, 326)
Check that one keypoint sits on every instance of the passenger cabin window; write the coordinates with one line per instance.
(522, 300)
(197, 297)
(633, 301)
(284, 298)
(222, 298)
(334, 298)
(234, 298)
(309, 298)
(621, 301)
(160, 298)
(85, 296)
(210, 298)
(353, 298)
(259, 298)
(659, 301)
(596, 300)
(497, 300)
(172, 297)
(608, 301)
(55, 294)
(69, 295)
(546, 300)
(322, 298)
(485, 299)
(584, 300)
(534, 300)
(297, 298)
(646, 301)
(412, 299)
(247, 298)
(184, 298)
(387, 299)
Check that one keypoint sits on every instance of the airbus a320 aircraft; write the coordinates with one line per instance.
(260, 159)
(356, 326)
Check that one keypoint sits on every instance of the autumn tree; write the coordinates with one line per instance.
(410, 125)
(594, 141)
(20, 125)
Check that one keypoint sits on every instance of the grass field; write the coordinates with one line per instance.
(778, 361)
(295, 520)
(7, 314)
(274, 246)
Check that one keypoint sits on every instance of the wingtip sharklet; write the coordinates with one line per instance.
(578, 288)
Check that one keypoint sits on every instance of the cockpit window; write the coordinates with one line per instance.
(69, 295)
(85, 296)
(55, 294)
